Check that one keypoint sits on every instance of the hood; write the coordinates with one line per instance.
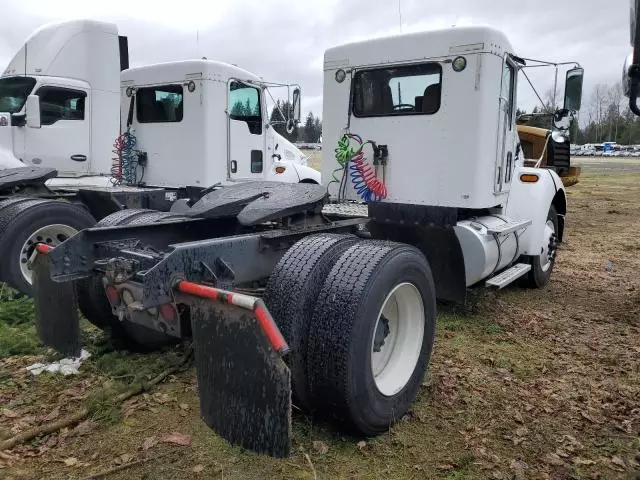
(288, 150)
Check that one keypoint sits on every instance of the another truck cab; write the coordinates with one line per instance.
(209, 115)
(71, 70)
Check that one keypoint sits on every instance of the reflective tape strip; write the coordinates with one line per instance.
(246, 302)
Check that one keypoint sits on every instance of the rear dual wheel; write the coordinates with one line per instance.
(361, 351)
(25, 222)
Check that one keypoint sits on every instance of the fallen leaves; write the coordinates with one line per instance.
(553, 459)
(198, 468)
(149, 442)
(55, 413)
(320, 447)
(70, 461)
(518, 467)
(590, 417)
(178, 439)
(124, 458)
(617, 463)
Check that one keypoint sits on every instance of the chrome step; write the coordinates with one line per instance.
(509, 227)
(509, 275)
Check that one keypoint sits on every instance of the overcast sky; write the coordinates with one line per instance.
(284, 41)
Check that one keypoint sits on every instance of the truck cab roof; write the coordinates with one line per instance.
(168, 72)
(76, 49)
(418, 46)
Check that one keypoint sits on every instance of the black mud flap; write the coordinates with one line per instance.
(56, 310)
(244, 385)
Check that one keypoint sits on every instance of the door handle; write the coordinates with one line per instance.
(79, 158)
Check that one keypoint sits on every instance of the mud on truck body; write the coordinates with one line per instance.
(85, 136)
(325, 296)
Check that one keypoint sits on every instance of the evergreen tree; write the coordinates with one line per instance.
(317, 127)
(280, 123)
(238, 109)
(309, 129)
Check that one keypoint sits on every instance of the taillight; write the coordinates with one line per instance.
(168, 313)
(113, 295)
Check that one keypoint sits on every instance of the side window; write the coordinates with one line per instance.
(507, 91)
(160, 104)
(61, 104)
(244, 105)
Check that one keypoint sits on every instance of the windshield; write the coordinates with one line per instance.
(14, 92)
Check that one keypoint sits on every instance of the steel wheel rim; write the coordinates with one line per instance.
(548, 251)
(52, 235)
(394, 356)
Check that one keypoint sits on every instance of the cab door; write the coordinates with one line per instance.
(246, 155)
(507, 132)
(63, 140)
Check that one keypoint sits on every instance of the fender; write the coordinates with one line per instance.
(532, 201)
(288, 173)
(307, 174)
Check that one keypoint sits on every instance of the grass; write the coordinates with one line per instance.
(17, 330)
(524, 375)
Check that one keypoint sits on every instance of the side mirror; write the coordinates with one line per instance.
(32, 109)
(631, 72)
(296, 105)
(573, 89)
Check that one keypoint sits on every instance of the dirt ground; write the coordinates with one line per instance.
(527, 384)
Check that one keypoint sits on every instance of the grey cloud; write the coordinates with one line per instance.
(284, 43)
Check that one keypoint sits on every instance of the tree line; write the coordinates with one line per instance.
(605, 116)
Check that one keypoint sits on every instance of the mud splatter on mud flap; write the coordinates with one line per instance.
(56, 309)
(244, 385)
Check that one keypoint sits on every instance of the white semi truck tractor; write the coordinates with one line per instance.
(327, 298)
(82, 135)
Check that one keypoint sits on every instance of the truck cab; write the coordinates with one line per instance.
(431, 139)
(208, 114)
(72, 69)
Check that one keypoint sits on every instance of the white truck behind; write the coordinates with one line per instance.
(78, 125)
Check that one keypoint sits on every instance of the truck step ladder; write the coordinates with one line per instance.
(510, 275)
(509, 227)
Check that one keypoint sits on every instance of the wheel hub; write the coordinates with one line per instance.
(52, 235)
(382, 332)
(397, 339)
(548, 256)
